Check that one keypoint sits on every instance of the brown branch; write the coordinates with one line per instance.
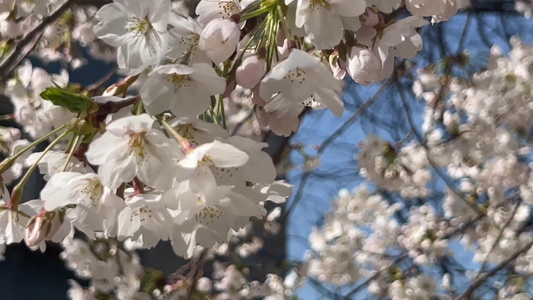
(327, 142)
(96, 85)
(239, 125)
(28, 42)
(97, 3)
(479, 282)
(376, 275)
(111, 107)
(422, 141)
(498, 238)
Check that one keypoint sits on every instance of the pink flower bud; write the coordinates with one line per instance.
(251, 71)
(42, 227)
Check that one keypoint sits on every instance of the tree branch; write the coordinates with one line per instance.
(479, 282)
(28, 42)
(328, 141)
(97, 3)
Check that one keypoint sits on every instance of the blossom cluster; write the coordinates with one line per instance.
(163, 173)
(525, 8)
(172, 151)
(404, 170)
(114, 270)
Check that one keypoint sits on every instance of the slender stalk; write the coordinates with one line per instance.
(284, 24)
(221, 111)
(483, 278)
(6, 164)
(256, 13)
(184, 143)
(18, 190)
(28, 42)
(213, 110)
(139, 108)
(71, 149)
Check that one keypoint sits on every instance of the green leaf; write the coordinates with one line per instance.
(74, 102)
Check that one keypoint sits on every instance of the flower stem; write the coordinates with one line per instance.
(184, 143)
(74, 145)
(221, 111)
(16, 196)
(6, 164)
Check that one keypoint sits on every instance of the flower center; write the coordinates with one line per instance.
(208, 215)
(179, 81)
(137, 143)
(92, 193)
(193, 43)
(317, 3)
(227, 8)
(311, 101)
(298, 75)
(187, 131)
(138, 25)
(144, 213)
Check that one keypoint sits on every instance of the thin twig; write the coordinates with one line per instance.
(28, 42)
(498, 238)
(239, 125)
(422, 141)
(376, 275)
(96, 85)
(97, 3)
(328, 141)
(479, 282)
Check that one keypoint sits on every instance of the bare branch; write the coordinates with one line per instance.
(498, 238)
(376, 275)
(327, 142)
(97, 3)
(479, 282)
(28, 42)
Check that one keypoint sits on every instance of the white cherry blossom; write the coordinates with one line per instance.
(136, 150)
(138, 29)
(184, 39)
(144, 218)
(324, 20)
(209, 10)
(364, 66)
(184, 90)
(400, 39)
(298, 81)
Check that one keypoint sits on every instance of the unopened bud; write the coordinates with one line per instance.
(42, 227)
(251, 71)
